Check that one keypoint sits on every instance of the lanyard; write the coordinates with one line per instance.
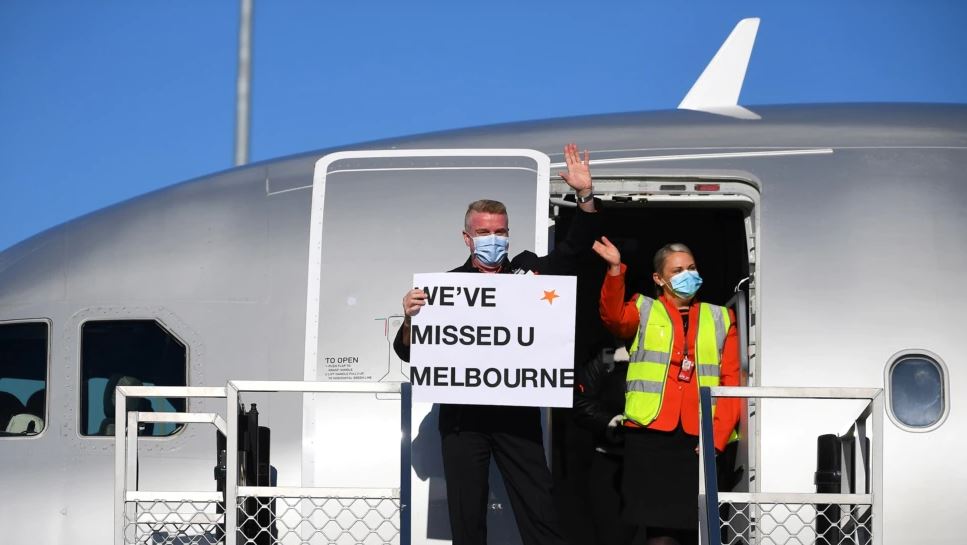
(685, 339)
(688, 366)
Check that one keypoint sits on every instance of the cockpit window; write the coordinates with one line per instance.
(129, 353)
(916, 383)
(23, 378)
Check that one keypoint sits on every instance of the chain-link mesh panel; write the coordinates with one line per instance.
(795, 524)
(317, 521)
(174, 522)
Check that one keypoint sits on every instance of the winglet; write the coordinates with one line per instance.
(717, 89)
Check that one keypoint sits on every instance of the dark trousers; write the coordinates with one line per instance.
(605, 491)
(520, 459)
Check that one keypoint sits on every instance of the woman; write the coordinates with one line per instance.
(677, 345)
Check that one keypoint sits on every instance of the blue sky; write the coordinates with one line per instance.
(104, 100)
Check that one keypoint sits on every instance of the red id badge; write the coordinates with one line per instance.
(688, 367)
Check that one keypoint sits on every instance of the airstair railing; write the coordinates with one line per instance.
(144, 516)
(854, 515)
(311, 515)
(708, 499)
(281, 515)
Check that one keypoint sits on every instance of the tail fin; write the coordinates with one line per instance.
(717, 89)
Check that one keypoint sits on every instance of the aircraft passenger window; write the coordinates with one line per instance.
(129, 353)
(23, 378)
(917, 390)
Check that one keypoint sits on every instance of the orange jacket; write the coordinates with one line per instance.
(680, 400)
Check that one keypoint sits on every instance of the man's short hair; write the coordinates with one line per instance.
(483, 205)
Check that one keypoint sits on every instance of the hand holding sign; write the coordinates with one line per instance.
(413, 301)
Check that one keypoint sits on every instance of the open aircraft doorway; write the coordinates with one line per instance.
(358, 273)
(717, 218)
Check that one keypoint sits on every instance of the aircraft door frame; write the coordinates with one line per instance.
(506, 170)
(543, 169)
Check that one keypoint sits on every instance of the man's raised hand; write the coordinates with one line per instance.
(578, 174)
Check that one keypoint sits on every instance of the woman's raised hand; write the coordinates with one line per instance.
(609, 253)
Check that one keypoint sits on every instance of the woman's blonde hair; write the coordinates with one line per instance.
(662, 254)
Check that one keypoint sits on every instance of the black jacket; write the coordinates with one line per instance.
(563, 260)
(599, 397)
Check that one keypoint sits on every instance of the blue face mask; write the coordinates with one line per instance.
(686, 283)
(490, 249)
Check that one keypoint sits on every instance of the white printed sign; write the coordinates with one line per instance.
(494, 339)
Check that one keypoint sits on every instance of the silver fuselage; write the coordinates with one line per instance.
(858, 252)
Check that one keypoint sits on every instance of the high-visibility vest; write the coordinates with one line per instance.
(651, 353)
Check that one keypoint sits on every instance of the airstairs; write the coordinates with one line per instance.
(260, 513)
(849, 509)
(847, 512)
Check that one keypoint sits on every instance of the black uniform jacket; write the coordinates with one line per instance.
(599, 397)
(585, 228)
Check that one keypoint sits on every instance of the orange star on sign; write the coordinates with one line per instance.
(550, 296)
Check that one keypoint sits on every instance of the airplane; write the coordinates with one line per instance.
(843, 225)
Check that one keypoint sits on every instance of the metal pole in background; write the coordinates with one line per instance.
(243, 95)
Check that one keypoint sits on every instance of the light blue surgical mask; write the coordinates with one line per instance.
(686, 283)
(490, 249)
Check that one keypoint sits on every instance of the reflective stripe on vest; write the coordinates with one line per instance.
(651, 354)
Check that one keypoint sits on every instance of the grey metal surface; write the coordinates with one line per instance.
(168, 495)
(319, 387)
(794, 497)
(317, 491)
(185, 418)
(794, 392)
(231, 466)
(221, 261)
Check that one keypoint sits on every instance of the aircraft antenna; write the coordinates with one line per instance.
(243, 85)
(717, 89)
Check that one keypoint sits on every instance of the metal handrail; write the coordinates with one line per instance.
(126, 440)
(233, 490)
(708, 474)
(709, 497)
(126, 451)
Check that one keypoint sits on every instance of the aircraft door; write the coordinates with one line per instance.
(377, 218)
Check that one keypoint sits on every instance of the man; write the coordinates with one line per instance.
(471, 434)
